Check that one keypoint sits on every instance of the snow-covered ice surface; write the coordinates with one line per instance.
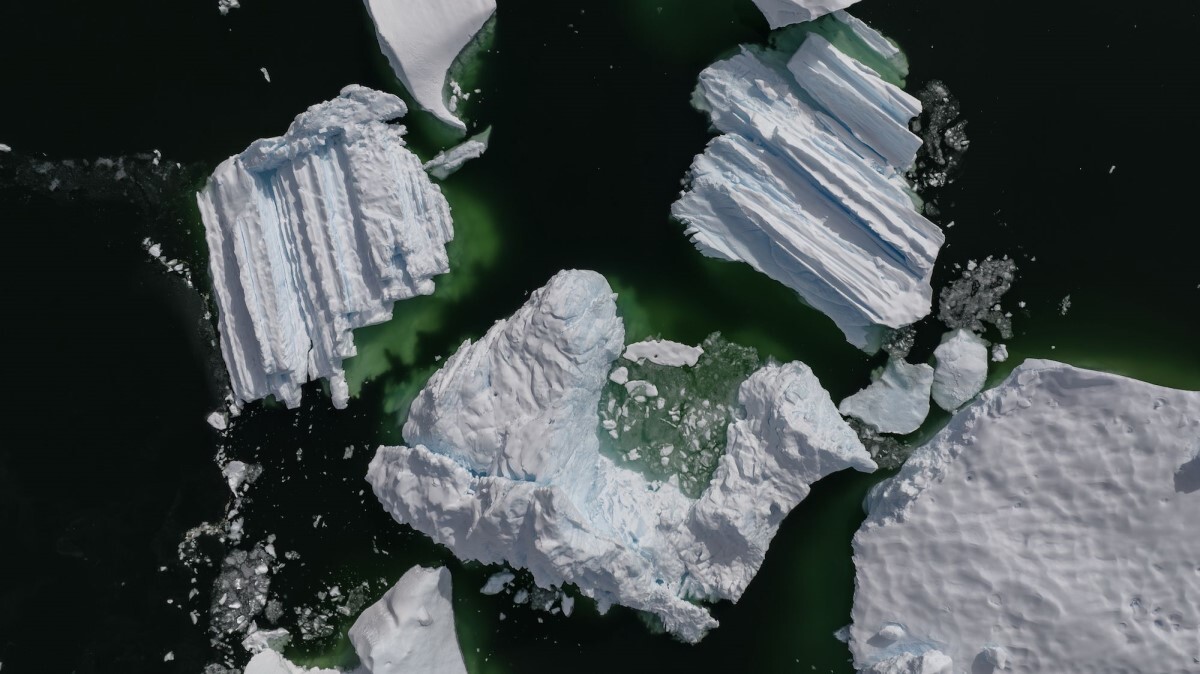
(411, 629)
(315, 233)
(897, 401)
(786, 12)
(962, 362)
(925, 662)
(421, 39)
(504, 444)
(449, 161)
(663, 352)
(807, 184)
(1042, 527)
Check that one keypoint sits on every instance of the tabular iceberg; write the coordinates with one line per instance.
(421, 39)
(806, 185)
(786, 12)
(315, 233)
(1041, 531)
(504, 465)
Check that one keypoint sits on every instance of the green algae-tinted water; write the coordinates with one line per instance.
(593, 131)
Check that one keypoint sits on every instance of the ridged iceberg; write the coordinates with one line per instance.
(806, 185)
(786, 12)
(1043, 530)
(315, 233)
(505, 466)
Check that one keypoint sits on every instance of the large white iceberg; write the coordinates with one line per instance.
(315, 233)
(1041, 531)
(962, 363)
(897, 401)
(786, 12)
(806, 185)
(504, 466)
(421, 39)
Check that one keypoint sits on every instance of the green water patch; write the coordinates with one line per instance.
(669, 423)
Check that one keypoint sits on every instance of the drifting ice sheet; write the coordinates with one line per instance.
(504, 444)
(421, 39)
(1041, 529)
(806, 185)
(315, 233)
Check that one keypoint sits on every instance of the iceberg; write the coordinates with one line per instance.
(316, 233)
(962, 362)
(897, 401)
(421, 39)
(806, 185)
(411, 629)
(931, 661)
(449, 161)
(781, 13)
(663, 352)
(1041, 531)
(504, 466)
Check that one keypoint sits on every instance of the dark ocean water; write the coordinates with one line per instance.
(107, 459)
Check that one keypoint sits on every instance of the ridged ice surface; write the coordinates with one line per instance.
(786, 12)
(422, 38)
(504, 465)
(1043, 530)
(315, 233)
(806, 185)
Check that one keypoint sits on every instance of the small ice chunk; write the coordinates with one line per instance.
(5, 148)
(1065, 305)
(449, 161)
(663, 352)
(218, 420)
(638, 387)
(897, 401)
(260, 640)
(169, 656)
(961, 369)
(223, 6)
(619, 375)
(568, 604)
(266, 75)
(235, 475)
(999, 353)
(497, 583)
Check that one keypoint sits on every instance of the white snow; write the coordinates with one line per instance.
(421, 39)
(663, 352)
(1044, 528)
(411, 629)
(931, 661)
(807, 185)
(504, 443)
(897, 401)
(786, 12)
(313, 234)
(449, 161)
(999, 353)
(962, 362)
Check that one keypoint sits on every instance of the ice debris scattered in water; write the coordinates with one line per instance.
(974, 298)
(1043, 521)
(315, 233)
(240, 592)
(170, 264)
(999, 353)
(806, 185)
(943, 135)
(962, 362)
(260, 640)
(422, 38)
(223, 6)
(449, 161)
(663, 352)
(787, 12)
(504, 442)
(897, 401)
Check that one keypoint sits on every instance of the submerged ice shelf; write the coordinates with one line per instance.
(1043, 530)
(504, 465)
(422, 38)
(315, 233)
(806, 185)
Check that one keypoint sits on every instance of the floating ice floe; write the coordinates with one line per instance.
(449, 161)
(1043, 530)
(316, 233)
(961, 369)
(897, 401)
(503, 442)
(422, 38)
(663, 352)
(786, 12)
(806, 185)
(223, 6)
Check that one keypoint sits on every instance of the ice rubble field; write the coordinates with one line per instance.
(315, 233)
(806, 185)
(504, 466)
(1044, 529)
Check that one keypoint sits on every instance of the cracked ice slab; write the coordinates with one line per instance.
(504, 466)
(421, 39)
(781, 13)
(315, 233)
(1041, 531)
(806, 185)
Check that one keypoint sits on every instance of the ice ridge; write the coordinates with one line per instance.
(315, 233)
(806, 185)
